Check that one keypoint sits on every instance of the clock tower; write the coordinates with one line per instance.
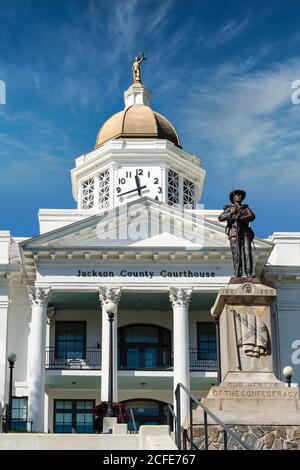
(137, 153)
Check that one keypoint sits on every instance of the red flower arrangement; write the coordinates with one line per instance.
(100, 410)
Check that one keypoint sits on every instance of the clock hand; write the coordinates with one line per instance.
(131, 191)
(138, 185)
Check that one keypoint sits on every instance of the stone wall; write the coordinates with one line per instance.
(257, 437)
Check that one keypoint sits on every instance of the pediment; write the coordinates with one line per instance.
(146, 223)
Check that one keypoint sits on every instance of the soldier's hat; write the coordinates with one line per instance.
(237, 191)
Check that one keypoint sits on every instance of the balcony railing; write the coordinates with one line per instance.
(202, 360)
(64, 359)
(151, 358)
(145, 358)
(129, 358)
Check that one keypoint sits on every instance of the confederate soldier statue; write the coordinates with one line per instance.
(238, 217)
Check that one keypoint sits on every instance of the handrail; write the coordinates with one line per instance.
(182, 429)
(172, 411)
(206, 410)
(133, 421)
(174, 419)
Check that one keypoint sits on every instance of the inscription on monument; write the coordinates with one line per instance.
(257, 292)
(255, 391)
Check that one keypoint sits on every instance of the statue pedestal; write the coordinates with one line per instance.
(249, 393)
(244, 312)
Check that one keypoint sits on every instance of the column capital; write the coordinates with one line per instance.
(180, 297)
(109, 294)
(38, 295)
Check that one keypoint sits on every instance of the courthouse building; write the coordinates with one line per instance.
(140, 239)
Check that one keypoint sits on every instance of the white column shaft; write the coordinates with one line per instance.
(36, 359)
(180, 301)
(181, 355)
(109, 295)
(3, 349)
(105, 357)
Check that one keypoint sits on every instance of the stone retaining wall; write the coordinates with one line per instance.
(257, 437)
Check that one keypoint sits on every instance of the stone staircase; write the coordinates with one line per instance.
(148, 438)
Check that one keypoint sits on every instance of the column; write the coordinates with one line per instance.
(180, 299)
(3, 346)
(36, 356)
(108, 295)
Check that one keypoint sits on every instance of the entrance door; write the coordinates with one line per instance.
(74, 416)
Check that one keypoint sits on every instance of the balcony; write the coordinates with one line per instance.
(74, 360)
(147, 358)
(129, 358)
(202, 361)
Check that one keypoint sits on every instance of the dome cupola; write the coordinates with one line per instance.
(137, 155)
(137, 120)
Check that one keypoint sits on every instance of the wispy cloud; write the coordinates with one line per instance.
(226, 32)
(249, 117)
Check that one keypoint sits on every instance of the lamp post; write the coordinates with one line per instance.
(111, 309)
(288, 372)
(12, 357)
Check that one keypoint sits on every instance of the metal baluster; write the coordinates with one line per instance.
(191, 424)
(177, 396)
(225, 439)
(205, 430)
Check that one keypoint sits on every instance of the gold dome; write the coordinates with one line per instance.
(138, 122)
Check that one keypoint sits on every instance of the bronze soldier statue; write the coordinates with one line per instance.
(240, 234)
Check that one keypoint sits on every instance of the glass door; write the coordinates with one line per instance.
(74, 416)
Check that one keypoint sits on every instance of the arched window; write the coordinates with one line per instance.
(144, 347)
(149, 412)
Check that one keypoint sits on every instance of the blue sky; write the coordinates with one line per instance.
(221, 71)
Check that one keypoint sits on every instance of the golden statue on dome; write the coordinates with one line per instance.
(136, 67)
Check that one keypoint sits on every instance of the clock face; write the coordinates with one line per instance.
(136, 182)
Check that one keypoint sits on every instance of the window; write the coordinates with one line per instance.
(74, 416)
(88, 194)
(19, 414)
(188, 194)
(144, 347)
(173, 188)
(207, 345)
(141, 334)
(70, 339)
(148, 412)
(104, 190)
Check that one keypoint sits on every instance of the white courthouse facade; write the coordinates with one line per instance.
(130, 242)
